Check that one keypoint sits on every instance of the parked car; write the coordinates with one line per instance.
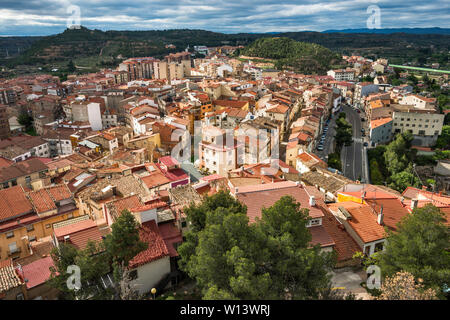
(320, 148)
(366, 144)
(363, 130)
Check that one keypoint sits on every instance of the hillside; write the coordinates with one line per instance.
(300, 56)
(96, 48)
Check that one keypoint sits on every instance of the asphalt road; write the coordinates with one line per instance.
(328, 146)
(352, 155)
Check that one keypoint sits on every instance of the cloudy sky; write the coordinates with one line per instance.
(43, 17)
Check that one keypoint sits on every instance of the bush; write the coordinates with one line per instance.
(334, 161)
(375, 175)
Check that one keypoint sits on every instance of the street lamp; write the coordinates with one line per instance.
(153, 291)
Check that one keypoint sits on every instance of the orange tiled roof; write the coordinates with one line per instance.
(379, 122)
(363, 220)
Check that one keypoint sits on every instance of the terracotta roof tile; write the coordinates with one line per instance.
(265, 195)
(37, 272)
(13, 202)
(157, 249)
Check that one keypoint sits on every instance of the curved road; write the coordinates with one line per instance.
(352, 156)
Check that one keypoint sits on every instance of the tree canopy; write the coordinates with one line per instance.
(269, 259)
(420, 247)
(98, 259)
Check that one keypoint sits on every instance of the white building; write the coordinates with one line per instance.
(342, 74)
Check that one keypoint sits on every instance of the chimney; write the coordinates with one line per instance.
(363, 196)
(236, 189)
(380, 216)
(414, 203)
(312, 201)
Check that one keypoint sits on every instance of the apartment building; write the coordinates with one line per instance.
(4, 123)
(215, 153)
(29, 216)
(87, 112)
(136, 68)
(31, 173)
(424, 124)
(342, 74)
(362, 90)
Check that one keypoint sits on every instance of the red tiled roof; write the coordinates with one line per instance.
(171, 235)
(80, 233)
(393, 211)
(256, 197)
(42, 201)
(13, 202)
(73, 228)
(81, 238)
(320, 236)
(168, 161)
(345, 246)
(230, 103)
(37, 272)
(126, 203)
(157, 249)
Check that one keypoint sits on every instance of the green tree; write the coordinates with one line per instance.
(443, 141)
(334, 161)
(71, 66)
(297, 271)
(91, 261)
(123, 243)
(406, 178)
(269, 259)
(397, 154)
(344, 132)
(375, 175)
(420, 247)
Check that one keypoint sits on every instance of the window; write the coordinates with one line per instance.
(13, 247)
(20, 297)
(133, 275)
(32, 238)
(183, 224)
(379, 246)
(30, 227)
(5, 185)
(9, 234)
(14, 182)
(47, 226)
(70, 215)
(314, 222)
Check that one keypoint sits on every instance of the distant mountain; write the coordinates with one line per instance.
(436, 30)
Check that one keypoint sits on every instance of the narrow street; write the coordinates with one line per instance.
(352, 156)
(328, 146)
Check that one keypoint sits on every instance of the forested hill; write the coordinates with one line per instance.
(300, 56)
(97, 47)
